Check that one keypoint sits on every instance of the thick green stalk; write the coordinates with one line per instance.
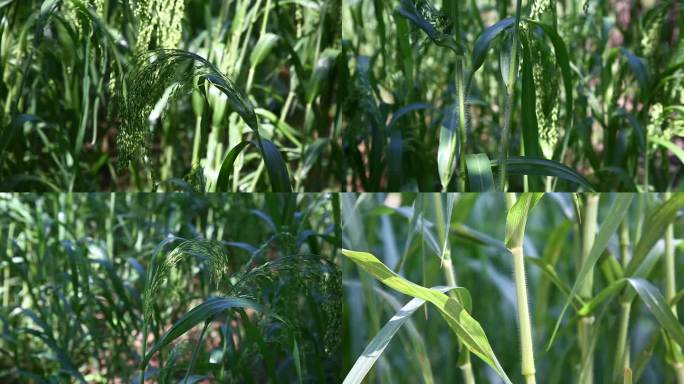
(524, 323)
(670, 284)
(467, 369)
(508, 102)
(586, 324)
(622, 354)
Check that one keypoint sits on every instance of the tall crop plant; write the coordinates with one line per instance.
(197, 95)
(169, 288)
(552, 288)
(513, 95)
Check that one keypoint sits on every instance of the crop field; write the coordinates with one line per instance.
(494, 288)
(166, 95)
(341, 95)
(178, 288)
(355, 191)
(514, 95)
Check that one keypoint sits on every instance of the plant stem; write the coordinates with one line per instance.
(622, 349)
(669, 265)
(508, 102)
(503, 152)
(622, 352)
(586, 324)
(670, 284)
(523, 314)
(524, 323)
(467, 370)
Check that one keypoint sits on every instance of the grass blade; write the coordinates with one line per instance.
(380, 341)
(485, 40)
(653, 229)
(277, 170)
(227, 166)
(199, 314)
(656, 304)
(672, 147)
(263, 48)
(466, 328)
(544, 167)
(447, 153)
(615, 216)
(480, 177)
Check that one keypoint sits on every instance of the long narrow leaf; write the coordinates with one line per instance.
(653, 229)
(480, 176)
(466, 328)
(382, 339)
(544, 167)
(201, 313)
(615, 216)
(657, 305)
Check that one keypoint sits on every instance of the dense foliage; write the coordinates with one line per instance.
(441, 94)
(225, 288)
(178, 94)
(554, 287)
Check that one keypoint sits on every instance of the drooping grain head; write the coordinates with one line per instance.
(161, 71)
(159, 24)
(296, 277)
(211, 252)
(547, 85)
(539, 7)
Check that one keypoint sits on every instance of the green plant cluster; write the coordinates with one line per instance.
(105, 95)
(175, 287)
(548, 288)
(513, 95)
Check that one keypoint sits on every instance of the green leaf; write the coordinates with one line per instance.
(404, 47)
(485, 40)
(447, 153)
(551, 274)
(408, 9)
(275, 165)
(203, 312)
(517, 218)
(283, 127)
(653, 229)
(312, 154)
(609, 226)
(395, 150)
(479, 169)
(263, 48)
(638, 67)
(321, 73)
(466, 328)
(544, 167)
(672, 147)
(227, 166)
(656, 304)
(600, 297)
(380, 341)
